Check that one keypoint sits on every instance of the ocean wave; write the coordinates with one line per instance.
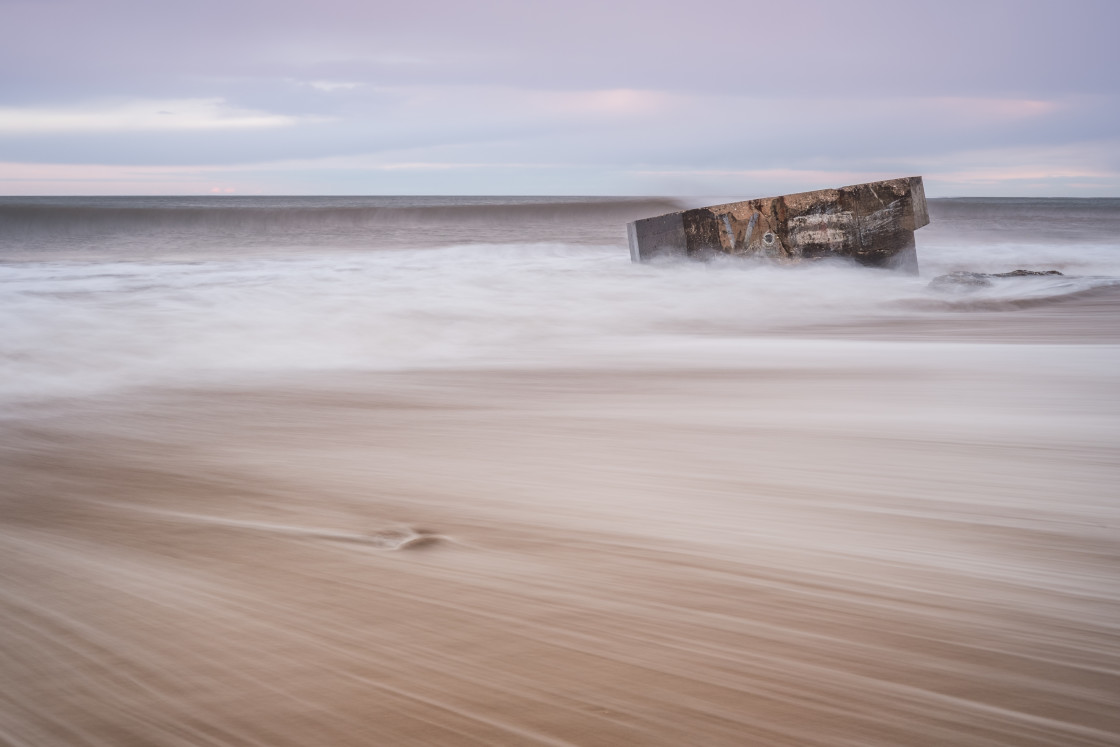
(164, 226)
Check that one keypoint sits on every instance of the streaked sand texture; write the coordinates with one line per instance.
(840, 542)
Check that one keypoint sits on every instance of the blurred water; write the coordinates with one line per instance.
(313, 298)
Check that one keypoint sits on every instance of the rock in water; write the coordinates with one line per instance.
(1022, 273)
(960, 281)
(871, 223)
(971, 280)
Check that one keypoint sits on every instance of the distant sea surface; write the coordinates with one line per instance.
(426, 470)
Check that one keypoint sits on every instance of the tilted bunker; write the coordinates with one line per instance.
(871, 223)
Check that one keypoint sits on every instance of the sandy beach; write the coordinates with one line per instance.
(879, 535)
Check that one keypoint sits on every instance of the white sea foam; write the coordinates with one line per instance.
(79, 327)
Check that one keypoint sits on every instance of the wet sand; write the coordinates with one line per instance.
(894, 536)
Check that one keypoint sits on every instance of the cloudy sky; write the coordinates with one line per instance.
(710, 97)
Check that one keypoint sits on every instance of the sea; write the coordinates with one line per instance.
(454, 470)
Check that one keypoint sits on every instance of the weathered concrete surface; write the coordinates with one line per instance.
(872, 223)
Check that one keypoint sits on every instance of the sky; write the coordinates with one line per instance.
(581, 97)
